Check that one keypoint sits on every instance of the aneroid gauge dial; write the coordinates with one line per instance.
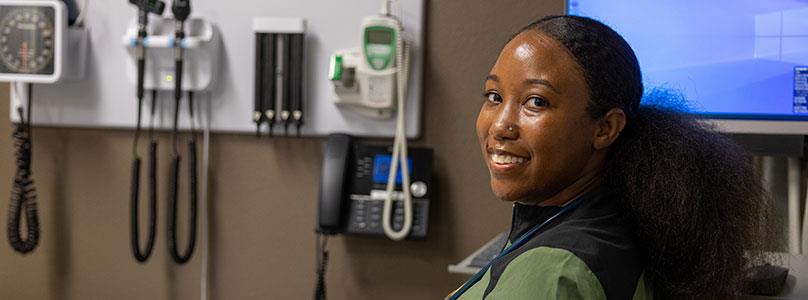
(27, 39)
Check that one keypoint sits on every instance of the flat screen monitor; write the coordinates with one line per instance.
(741, 63)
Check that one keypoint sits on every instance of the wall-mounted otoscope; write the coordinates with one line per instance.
(183, 57)
(145, 7)
(181, 10)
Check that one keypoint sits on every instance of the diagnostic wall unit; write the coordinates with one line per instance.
(106, 97)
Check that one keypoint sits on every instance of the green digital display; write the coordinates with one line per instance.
(379, 37)
(379, 46)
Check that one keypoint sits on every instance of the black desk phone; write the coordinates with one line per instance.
(353, 188)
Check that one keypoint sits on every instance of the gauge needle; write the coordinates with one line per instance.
(33, 45)
(24, 56)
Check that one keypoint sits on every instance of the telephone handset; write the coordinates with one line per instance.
(353, 188)
(332, 183)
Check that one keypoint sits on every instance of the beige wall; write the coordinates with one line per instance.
(263, 195)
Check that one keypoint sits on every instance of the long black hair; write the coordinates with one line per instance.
(696, 201)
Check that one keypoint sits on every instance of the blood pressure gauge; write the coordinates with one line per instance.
(32, 35)
(26, 41)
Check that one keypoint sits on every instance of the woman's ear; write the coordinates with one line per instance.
(609, 128)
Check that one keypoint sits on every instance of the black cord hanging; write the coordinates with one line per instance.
(322, 262)
(143, 255)
(181, 10)
(145, 7)
(184, 257)
(23, 194)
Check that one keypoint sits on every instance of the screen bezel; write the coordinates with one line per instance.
(749, 123)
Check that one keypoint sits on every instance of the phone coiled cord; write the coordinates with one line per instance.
(322, 263)
(174, 191)
(23, 194)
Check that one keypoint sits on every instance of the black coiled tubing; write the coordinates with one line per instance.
(178, 257)
(23, 194)
(143, 255)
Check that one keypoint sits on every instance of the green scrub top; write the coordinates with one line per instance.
(591, 253)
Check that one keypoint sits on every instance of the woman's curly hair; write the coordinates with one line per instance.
(698, 205)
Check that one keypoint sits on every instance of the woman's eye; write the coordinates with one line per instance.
(493, 97)
(536, 102)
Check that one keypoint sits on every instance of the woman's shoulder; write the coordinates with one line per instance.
(545, 273)
(595, 242)
(556, 273)
(603, 239)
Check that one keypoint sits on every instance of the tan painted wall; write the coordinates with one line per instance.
(263, 195)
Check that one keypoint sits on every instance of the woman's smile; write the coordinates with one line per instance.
(503, 162)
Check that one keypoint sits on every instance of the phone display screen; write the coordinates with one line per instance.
(381, 168)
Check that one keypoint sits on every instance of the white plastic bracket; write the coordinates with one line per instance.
(202, 46)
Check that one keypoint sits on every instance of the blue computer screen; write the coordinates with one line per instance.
(738, 59)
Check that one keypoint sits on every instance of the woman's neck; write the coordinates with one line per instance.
(584, 183)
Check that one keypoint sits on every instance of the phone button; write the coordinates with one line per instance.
(418, 189)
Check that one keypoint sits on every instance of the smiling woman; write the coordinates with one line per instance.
(536, 112)
(611, 200)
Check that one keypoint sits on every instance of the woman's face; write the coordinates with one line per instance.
(533, 127)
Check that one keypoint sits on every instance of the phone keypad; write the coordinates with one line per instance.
(364, 168)
(366, 217)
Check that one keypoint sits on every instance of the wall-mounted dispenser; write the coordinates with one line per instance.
(279, 65)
